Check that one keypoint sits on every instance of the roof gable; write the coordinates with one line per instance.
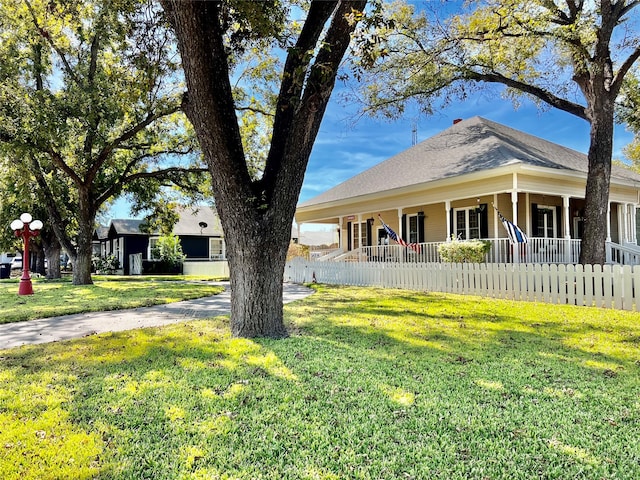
(198, 220)
(126, 227)
(469, 146)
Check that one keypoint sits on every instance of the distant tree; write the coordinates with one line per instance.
(20, 195)
(90, 100)
(629, 113)
(256, 205)
(571, 55)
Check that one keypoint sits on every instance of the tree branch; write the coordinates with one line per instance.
(542, 94)
(47, 37)
(103, 156)
(624, 68)
(255, 110)
(58, 224)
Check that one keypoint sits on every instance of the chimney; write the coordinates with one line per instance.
(457, 120)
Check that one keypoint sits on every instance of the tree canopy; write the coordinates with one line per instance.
(90, 100)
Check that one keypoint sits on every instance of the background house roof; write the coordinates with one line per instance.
(472, 145)
(188, 224)
(191, 217)
(127, 226)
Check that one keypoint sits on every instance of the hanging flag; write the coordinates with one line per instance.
(394, 236)
(515, 233)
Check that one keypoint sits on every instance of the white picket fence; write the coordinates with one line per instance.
(608, 286)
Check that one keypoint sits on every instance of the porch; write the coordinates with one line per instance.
(537, 251)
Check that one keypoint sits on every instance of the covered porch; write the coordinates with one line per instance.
(552, 220)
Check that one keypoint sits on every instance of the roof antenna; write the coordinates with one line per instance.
(414, 134)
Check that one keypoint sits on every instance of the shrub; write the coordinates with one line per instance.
(297, 250)
(464, 251)
(106, 264)
(168, 250)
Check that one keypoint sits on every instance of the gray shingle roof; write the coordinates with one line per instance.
(127, 226)
(469, 146)
(188, 223)
(190, 219)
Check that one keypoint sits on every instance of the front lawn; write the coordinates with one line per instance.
(372, 384)
(59, 297)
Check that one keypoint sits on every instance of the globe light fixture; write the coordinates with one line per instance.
(26, 228)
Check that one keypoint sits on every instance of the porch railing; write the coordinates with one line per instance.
(623, 254)
(537, 250)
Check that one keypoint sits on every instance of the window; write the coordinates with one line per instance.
(466, 223)
(546, 221)
(216, 249)
(153, 241)
(356, 235)
(413, 229)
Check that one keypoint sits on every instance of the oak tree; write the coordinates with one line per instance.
(90, 100)
(256, 208)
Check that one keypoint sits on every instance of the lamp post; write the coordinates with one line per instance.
(26, 228)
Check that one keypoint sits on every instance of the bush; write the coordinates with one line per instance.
(168, 250)
(105, 264)
(465, 251)
(297, 250)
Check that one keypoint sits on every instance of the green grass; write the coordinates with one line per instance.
(372, 384)
(60, 297)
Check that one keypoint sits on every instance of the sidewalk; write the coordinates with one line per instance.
(80, 325)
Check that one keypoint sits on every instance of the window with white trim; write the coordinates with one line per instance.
(153, 241)
(216, 249)
(357, 241)
(466, 223)
(413, 228)
(546, 216)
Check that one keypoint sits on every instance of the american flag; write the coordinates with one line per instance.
(394, 236)
(515, 233)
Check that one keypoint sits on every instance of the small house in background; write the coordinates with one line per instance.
(198, 228)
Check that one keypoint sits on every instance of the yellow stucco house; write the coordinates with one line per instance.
(448, 184)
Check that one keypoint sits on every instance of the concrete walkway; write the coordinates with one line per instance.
(54, 329)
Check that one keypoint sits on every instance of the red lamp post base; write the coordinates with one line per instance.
(26, 287)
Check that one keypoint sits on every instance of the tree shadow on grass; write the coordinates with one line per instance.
(360, 390)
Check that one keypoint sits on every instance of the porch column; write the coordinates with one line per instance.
(340, 232)
(514, 216)
(360, 230)
(567, 229)
(627, 229)
(527, 226)
(566, 214)
(634, 228)
(608, 222)
(400, 226)
(514, 207)
(447, 209)
(496, 221)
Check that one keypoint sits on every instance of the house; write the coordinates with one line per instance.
(198, 228)
(448, 185)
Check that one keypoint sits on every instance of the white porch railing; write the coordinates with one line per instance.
(537, 250)
(623, 254)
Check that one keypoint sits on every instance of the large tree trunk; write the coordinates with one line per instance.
(256, 266)
(81, 261)
(52, 252)
(593, 249)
